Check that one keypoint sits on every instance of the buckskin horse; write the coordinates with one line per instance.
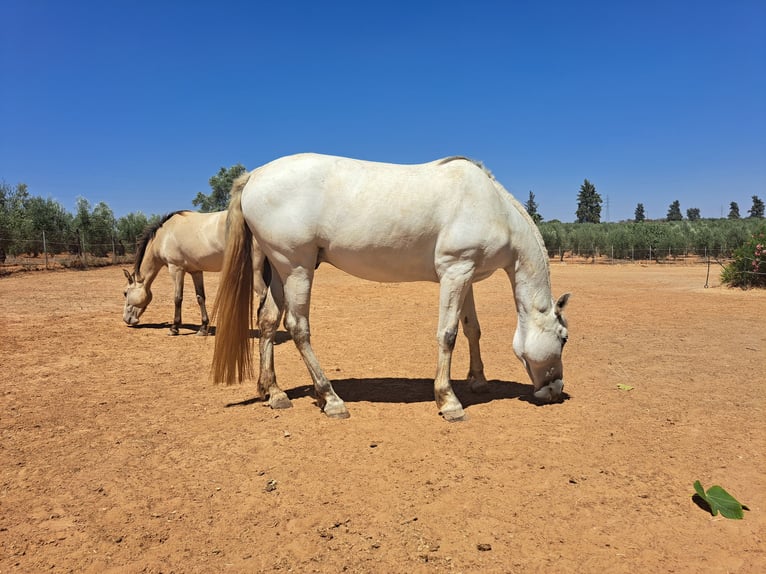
(184, 242)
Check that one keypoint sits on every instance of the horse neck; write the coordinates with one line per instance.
(530, 272)
(150, 264)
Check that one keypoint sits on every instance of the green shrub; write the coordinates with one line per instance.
(749, 266)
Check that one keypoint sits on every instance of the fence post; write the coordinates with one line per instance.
(82, 249)
(45, 250)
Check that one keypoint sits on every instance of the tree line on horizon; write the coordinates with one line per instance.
(589, 205)
(33, 225)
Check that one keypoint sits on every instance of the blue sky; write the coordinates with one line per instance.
(138, 104)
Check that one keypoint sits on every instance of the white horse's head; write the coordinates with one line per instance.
(538, 342)
(137, 298)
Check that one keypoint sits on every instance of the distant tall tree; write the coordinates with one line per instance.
(531, 207)
(693, 214)
(81, 227)
(733, 210)
(12, 216)
(674, 211)
(103, 230)
(639, 215)
(588, 204)
(757, 209)
(221, 183)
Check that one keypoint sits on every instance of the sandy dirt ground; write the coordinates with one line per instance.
(118, 454)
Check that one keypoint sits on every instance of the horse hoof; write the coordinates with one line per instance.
(280, 402)
(455, 416)
(339, 415)
(202, 333)
(173, 332)
(336, 410)
(550, 392)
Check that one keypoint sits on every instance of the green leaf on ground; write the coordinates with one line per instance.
(718, 500)
(624, 387)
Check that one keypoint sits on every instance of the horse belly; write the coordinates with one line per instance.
(383, 265)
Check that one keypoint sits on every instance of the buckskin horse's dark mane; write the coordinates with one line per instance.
(147, 236)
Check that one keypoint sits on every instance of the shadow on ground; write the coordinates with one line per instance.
(403, 390)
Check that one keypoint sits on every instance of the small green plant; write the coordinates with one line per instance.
(749, 266)
(718, 500)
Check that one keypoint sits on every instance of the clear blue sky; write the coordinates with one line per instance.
(139, 103)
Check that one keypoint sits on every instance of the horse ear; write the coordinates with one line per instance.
(128, 276)
(561, 303)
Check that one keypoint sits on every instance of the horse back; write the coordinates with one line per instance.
(378, 221)
(194, 241)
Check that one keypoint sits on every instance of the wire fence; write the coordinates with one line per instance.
(612, 255)
(62, 256)
(53, 261)
(41, 254)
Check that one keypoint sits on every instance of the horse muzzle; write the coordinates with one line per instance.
(551, 392)
(131, 315)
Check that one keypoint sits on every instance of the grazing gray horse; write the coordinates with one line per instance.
(448, 221)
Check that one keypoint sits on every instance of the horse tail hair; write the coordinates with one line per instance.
(233, 309)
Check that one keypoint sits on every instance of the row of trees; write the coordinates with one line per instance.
(33, 225)
(649, 240)
(589, 204)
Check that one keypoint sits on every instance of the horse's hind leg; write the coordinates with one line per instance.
(298, 302)
(269, 315)
(472, 331)
(178, 298)
(199, 289)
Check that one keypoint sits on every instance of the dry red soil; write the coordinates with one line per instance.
(118, 454)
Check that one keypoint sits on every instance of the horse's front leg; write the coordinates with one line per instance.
(454, 285)
(177, 274)
(472, 331)
(199, 289)
(269, 315)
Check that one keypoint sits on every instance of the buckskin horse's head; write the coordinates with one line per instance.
(137, 298)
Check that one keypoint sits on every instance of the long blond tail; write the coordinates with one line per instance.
(233, 309)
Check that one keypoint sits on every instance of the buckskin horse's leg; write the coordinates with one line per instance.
(269, 315)
(177, 273)
(199, 289)
(472, 331)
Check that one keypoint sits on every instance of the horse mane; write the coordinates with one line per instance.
(146, 237)
(476, 162)
(525, 214)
